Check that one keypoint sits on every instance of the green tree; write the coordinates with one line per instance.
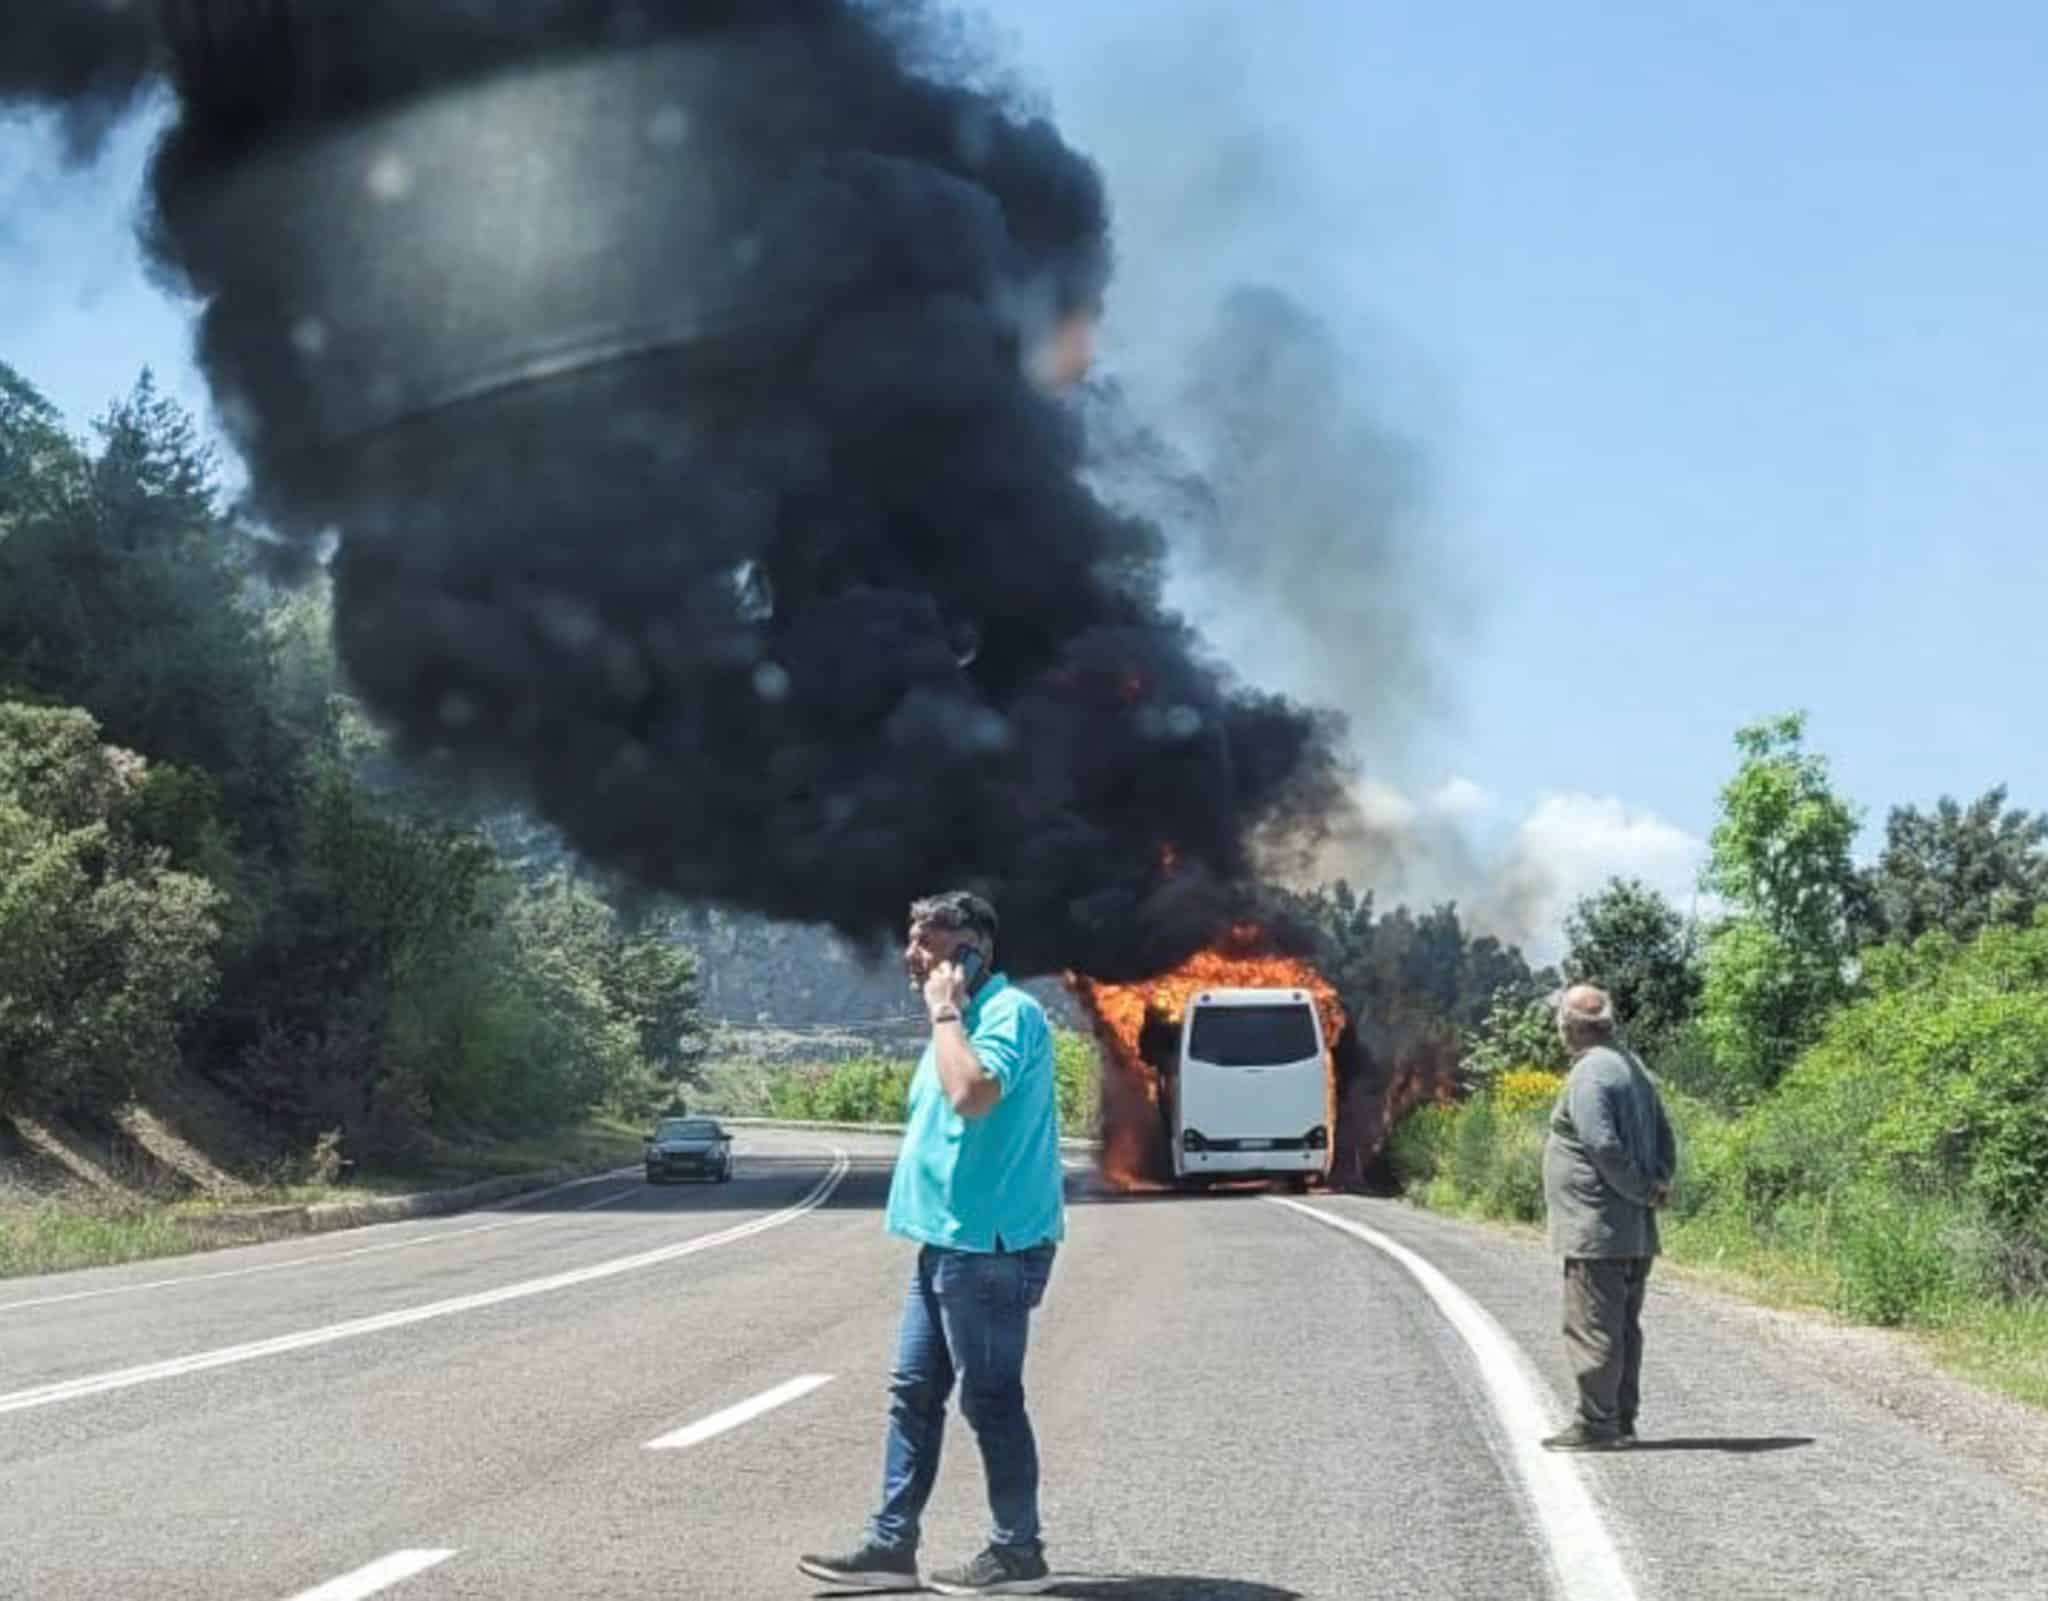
(1957, 869)
(1399, 964)
(122, 592)
(43, 474)
(1519, 1031)
(650, 981)
(1779, 861)
(104, 949)
(1638, 947)
(381, 969)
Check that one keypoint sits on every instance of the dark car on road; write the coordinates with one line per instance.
(689, 1147)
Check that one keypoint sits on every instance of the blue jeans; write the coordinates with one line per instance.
(967, 1317)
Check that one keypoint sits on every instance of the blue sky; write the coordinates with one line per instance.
(1723, 329)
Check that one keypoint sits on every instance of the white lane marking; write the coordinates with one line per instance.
(379, 1575)
(205, 1361)
(1585, 1566)
(733, 1416)
(321, 1258)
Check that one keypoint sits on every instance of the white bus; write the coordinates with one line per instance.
(1249, 1087)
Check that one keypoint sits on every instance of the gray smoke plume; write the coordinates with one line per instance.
(1250, 395)
(658, 378)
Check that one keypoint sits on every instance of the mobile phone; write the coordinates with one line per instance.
(969, 961)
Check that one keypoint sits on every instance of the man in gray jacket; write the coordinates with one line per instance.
(1607, 1167)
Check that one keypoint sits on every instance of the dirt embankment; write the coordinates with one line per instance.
(189, 1142)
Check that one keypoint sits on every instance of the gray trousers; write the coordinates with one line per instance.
(1603, 1335)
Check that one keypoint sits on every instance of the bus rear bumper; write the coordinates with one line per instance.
(1189, 1164)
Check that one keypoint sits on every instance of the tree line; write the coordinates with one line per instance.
(207, 865)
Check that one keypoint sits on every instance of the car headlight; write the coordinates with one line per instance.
(1318, 1138)
(1193, 1140)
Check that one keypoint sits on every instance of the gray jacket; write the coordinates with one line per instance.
(1610, 1144)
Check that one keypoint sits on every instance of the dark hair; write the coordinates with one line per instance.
(955, 909)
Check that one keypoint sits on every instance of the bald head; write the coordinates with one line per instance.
(1585, 1017)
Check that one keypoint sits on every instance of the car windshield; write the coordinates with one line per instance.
(695, 1128)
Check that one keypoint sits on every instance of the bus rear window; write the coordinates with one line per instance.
(1252, 1036)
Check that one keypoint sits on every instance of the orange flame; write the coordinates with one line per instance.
(1124, 1014)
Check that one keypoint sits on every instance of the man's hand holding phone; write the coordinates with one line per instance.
(949, 985)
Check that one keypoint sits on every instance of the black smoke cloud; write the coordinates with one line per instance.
(86, 59)
(656, 377)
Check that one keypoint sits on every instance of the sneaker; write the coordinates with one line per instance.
(872, 1567)
(1000, 1570)
(1583, 1437)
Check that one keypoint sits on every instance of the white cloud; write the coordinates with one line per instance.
(1384, 806)
(1459, 797)
(1516, 879)
(1570, 845)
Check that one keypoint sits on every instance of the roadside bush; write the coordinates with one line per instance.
(1514, 1187)
(1706, 1154)
(1473, 1153)
(1420, 1145)
(1077, 1063)
(876, 1089)
(1901, 1260)
(1937, 1081)
(868, 1089)
(1683, 1060)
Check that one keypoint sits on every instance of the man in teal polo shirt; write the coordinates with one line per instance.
(978, 1189)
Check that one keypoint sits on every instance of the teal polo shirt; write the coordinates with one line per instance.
(969, 1183)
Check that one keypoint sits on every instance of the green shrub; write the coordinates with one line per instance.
(1898, 1258)
(1937, 1079)
(1472, 1153)
(868, 1089)
(1077, 1066)
(1706, 1155)
(873, 1089)
(1420, 1145)
(1514, 1187)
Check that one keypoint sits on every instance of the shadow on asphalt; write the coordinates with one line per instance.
(1164, 1587)
(1140, 1587)
(1733, 1445)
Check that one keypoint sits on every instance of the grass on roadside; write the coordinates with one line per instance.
(77, 1227)
(55, 1234)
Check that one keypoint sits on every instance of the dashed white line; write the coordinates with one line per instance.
(379, 1575)
(205, 1361)
(1585, 1566)
(733, 1416)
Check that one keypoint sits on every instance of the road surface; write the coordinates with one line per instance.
(615, 1391)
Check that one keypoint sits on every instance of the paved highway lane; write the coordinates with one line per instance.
(612, 1391)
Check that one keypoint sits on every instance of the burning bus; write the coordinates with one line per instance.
(1246, 1095)
(1222, 1068)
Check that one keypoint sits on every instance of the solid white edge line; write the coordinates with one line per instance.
(745, 1412)
(321, 1258)
(379, 1575)
(1585, 1565)
(205, 1361)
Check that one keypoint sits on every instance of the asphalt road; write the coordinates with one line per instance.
(616, 1391)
